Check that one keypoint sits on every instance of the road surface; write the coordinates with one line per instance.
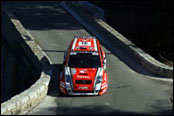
(130, 90)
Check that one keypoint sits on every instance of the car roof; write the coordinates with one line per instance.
(84, 43)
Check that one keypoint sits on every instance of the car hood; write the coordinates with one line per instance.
(83, 78)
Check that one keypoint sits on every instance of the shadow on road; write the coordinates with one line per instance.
(61, 109)
(45, 15)
(54, 82)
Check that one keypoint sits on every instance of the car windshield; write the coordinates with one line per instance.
(84, 60)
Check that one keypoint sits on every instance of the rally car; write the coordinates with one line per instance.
(84, 68)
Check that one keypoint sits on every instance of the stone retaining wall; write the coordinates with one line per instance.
(21, 42)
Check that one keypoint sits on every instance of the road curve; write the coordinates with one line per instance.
(129, 92)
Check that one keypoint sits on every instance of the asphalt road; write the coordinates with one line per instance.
(129, 91)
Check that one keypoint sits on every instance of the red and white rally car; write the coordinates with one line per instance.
(84, 68)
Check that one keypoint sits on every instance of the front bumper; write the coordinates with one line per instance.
(71, 92)
(83, 93)
(68, 91)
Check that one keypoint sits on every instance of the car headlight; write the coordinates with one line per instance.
(99, 79)
(68, 82)
(67, 78)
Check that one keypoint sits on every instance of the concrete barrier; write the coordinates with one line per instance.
(25, 101)
(93, 24)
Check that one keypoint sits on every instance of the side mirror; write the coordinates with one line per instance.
(64, 58)
(104, 64)
(104, 60)
(65, 55)
(63, 62)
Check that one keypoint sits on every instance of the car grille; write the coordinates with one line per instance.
(83, 81)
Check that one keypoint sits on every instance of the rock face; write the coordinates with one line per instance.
(20, 68)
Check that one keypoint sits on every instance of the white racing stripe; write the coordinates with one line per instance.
(74, 43)
(62, 84)
(95, 44)
(104, 86)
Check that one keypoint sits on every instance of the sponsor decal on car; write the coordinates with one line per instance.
(82, 77)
